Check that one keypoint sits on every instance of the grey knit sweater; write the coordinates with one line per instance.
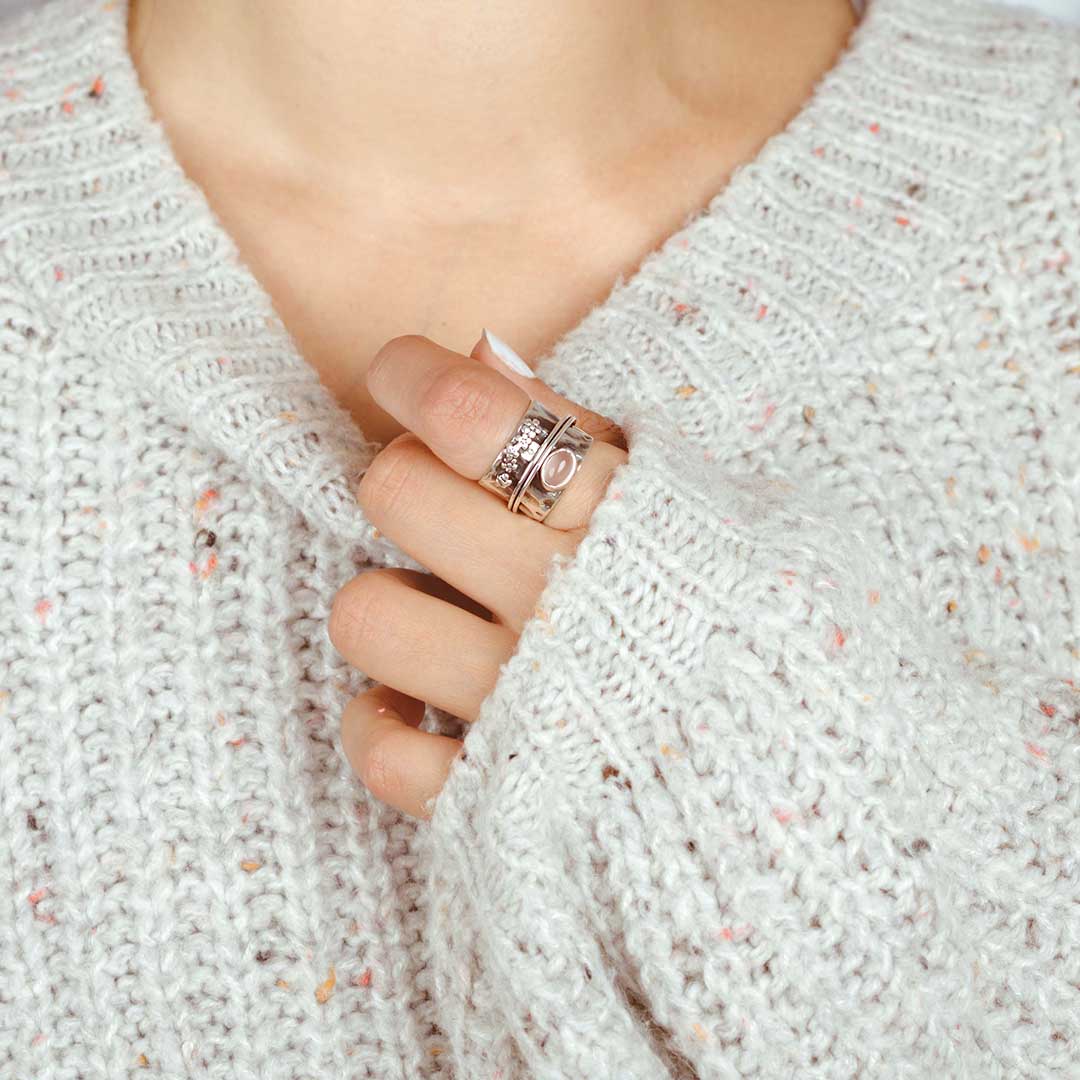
(783, 779)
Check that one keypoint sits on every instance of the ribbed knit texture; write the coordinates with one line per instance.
(782, 779)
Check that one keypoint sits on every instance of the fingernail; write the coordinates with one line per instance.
(507, 355)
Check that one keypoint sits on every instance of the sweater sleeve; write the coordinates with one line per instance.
(735, 800)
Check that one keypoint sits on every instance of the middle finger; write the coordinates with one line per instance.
(459, 531)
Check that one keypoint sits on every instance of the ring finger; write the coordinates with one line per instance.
(459, 531)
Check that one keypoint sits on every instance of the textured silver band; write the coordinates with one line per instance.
(538, 461)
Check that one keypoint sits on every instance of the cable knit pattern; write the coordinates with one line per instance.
(781, 779)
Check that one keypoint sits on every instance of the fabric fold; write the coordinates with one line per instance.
(767, 783)
(235, 377)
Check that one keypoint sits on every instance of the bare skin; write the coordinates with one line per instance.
(399, 176)
(389, 169)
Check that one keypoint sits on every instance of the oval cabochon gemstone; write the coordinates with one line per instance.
(558, 469)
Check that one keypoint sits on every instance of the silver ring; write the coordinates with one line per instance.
(538, 461)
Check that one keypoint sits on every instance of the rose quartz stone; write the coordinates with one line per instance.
(558, 469)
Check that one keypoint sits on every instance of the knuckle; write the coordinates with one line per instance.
(360, 612)
(389, 354)
(596, 424)
(459, 399)
(600, 423)
(389, 479)
(381, 770)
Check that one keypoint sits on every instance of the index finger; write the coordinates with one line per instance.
(465, 412)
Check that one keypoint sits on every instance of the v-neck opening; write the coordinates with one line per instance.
(325, 448)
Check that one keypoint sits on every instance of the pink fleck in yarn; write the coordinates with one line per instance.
(782, 778)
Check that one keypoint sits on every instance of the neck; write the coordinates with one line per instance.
(485, 102)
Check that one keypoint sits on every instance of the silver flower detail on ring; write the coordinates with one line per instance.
(538, 461)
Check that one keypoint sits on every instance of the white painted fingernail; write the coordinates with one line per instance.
(507, 355)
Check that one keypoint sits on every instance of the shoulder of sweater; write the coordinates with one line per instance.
(984, 69)
(61, 140)
(992, 85)
(65, 147)
(51, 53)
(999, 85)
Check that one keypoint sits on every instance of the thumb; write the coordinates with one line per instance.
(497, 354)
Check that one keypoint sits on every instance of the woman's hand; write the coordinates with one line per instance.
(442, 637)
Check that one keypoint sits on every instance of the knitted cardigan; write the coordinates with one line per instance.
(782, 778)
